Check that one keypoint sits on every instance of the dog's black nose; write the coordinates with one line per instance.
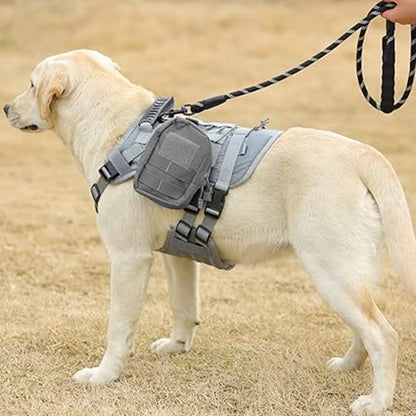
(6, 108)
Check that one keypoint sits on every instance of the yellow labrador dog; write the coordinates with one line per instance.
(333, 199)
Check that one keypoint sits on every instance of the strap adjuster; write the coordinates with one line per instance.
(216, 205)
(184, 229)
(95, 193)
(108, 171)
(202, 235)
(97, 190)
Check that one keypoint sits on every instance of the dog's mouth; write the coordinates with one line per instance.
(30, 127)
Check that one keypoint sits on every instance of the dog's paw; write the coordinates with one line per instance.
(338, 364)
(93, 376)
(170, 346)
(367, 405)
(342, 364)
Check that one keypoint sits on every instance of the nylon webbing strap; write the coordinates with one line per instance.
(230, 157)
(214, 208)
(200, 235)
(97, 190)
(388, 74)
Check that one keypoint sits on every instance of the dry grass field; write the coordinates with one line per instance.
(265, 335)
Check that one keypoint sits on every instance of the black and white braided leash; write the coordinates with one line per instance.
(387, 104)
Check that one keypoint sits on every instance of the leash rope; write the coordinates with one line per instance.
(387, 104)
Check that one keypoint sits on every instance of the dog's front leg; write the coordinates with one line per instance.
(129, 277)
(183, 284)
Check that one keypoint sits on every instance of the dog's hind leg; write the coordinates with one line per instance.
(339, 247)
(129, 278)
(349, 294)
(183, 284)
(356, 355)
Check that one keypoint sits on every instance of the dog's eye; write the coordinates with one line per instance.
(31, 84)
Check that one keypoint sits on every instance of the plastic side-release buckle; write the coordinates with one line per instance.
(216, 205)
(212, 211)
(195, 203)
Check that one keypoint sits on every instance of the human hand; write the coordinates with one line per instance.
(404, 12)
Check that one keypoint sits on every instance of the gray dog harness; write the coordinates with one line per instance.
(182, 163)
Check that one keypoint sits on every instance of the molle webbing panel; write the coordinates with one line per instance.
(174, 164)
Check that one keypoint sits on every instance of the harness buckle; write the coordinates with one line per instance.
(216, 205)
(195, 204)
(108, 171)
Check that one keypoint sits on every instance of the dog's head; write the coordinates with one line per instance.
(52, 81)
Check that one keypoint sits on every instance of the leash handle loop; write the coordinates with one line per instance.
(387, 104)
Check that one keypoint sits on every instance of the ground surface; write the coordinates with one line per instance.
(266, 335)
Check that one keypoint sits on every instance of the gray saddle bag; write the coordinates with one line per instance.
(175, 163)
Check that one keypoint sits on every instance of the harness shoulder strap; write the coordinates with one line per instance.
(119, 161)
(214, 208)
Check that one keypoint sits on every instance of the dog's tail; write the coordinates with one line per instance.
(381, 180)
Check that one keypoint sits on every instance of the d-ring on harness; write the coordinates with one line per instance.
(387, 104)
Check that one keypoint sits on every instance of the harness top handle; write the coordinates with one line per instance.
(387, 104)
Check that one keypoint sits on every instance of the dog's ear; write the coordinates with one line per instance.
(50, 88)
